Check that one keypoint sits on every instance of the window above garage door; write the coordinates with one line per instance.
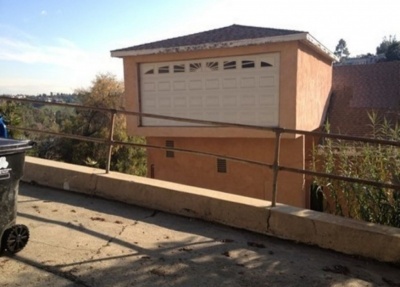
(242, 90)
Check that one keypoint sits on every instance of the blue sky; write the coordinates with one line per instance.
(60, 45)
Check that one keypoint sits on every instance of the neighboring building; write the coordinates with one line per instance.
(362, 89)
(238, 74)
(365, 60)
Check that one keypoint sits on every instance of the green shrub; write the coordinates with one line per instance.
(375, 162)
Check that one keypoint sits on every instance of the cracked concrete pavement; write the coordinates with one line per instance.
(78, 240)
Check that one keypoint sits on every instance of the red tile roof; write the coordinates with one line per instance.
(359, 89)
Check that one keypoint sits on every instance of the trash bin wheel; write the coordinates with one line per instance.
(15, 238)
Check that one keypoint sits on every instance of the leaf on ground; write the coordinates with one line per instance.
(97, 218)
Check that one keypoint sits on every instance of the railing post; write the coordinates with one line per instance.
(110, 140)
(275, 166)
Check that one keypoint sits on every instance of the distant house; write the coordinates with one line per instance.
(362, 89)
(237, 74)
(369, 59)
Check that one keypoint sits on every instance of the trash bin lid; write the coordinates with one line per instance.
(10, 145)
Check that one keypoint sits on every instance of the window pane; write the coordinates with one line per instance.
(265, 64)
(229, 65)
(212, 66)
(180, 68)
(221, 165)
(169, 144)
(247, 64)
(163, 70)
(194, 67)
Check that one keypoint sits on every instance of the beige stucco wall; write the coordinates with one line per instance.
(304, 86)
(305, 83)
(314, 82)
(241, 178)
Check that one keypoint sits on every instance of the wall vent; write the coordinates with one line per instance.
(221, 165)
(169, 144)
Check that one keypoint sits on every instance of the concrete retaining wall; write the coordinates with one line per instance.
(302, 225)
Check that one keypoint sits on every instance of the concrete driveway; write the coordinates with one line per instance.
(77, 240)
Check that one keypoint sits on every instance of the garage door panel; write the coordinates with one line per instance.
(164, 86)
(151, 121)
(212, 84)
(195, 102)
(248, 82)
(149, 87)
(241, 89)
(268, 97)
(229, 83)
(180, 102)
(150, 103)
(229, 101)
(267, 81)
(230, 116)
(248, 117)
(195, 85)
(267, 101)
(212, 115)
(247, 100)
(164, 102)
(212, 101)
(269, 116)
(179, 85)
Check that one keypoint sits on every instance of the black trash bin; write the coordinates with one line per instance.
(14, 236)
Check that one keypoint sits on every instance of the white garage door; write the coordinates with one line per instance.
(241, 90)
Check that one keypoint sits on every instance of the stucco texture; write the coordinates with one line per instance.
(298, 66)
(314, 82)
(241, 178)
(305, 80)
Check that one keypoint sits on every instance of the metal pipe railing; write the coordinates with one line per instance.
(214, 123)
(275, 166)
(110, 140)
(277, 131)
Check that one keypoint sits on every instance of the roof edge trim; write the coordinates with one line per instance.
(306, 37)
(314, 42)
(227, 44)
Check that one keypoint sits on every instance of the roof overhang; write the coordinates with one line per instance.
(303, 37)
